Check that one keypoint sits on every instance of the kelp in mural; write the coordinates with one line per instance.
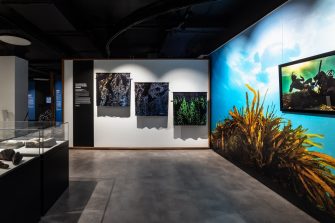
(190, 108)
(255, 137)
(151, 99)
(113, 89)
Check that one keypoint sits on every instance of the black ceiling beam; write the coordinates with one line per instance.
(76, 19)
(25, 2)
(67, 10)
(212, 31)
(148, 12)
(43, 62)
(39, 71)
(20, 23)
(46, 65)
(66, 33)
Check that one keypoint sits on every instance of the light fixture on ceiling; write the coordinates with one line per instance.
(41, 79)
(14, 40)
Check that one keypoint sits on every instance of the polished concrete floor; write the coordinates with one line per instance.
(165, 186)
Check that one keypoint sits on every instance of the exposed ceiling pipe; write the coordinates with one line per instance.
(149, 12)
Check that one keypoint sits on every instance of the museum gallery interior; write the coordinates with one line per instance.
(167, 111)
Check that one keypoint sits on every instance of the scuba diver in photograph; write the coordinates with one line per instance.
(311, 84)
(320, 88)
(300, 83)
(322, 83)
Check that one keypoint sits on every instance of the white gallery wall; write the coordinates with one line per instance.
(68, 97)
(118, 127)
(13, 88)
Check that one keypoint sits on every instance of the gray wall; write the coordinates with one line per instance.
(13, 88)
(21, 88)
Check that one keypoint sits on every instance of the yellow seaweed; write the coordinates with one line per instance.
(259, 138)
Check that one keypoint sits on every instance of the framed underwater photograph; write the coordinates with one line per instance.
(113, 89)
(189, 108)
(308, 85)
(151, 98)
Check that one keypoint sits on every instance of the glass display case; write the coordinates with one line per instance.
(22, 141)
(34, 155)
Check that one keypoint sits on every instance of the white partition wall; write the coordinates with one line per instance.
(119, 127)
(68, 96)
(13, 88)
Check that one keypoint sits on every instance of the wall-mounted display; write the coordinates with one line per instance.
(190, 108)
(151, 98)
(308, 85)
(113, 89)
(83, 107)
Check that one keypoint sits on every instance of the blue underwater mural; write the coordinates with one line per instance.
(296, 30)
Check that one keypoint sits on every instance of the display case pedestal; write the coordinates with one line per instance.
(54, 174)
(20, 188)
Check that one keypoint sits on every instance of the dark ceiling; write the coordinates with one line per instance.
(123, 28)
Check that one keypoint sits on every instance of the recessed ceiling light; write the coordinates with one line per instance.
(41, 79)
(15, 40)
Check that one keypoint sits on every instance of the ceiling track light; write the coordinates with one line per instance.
(14, 40)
